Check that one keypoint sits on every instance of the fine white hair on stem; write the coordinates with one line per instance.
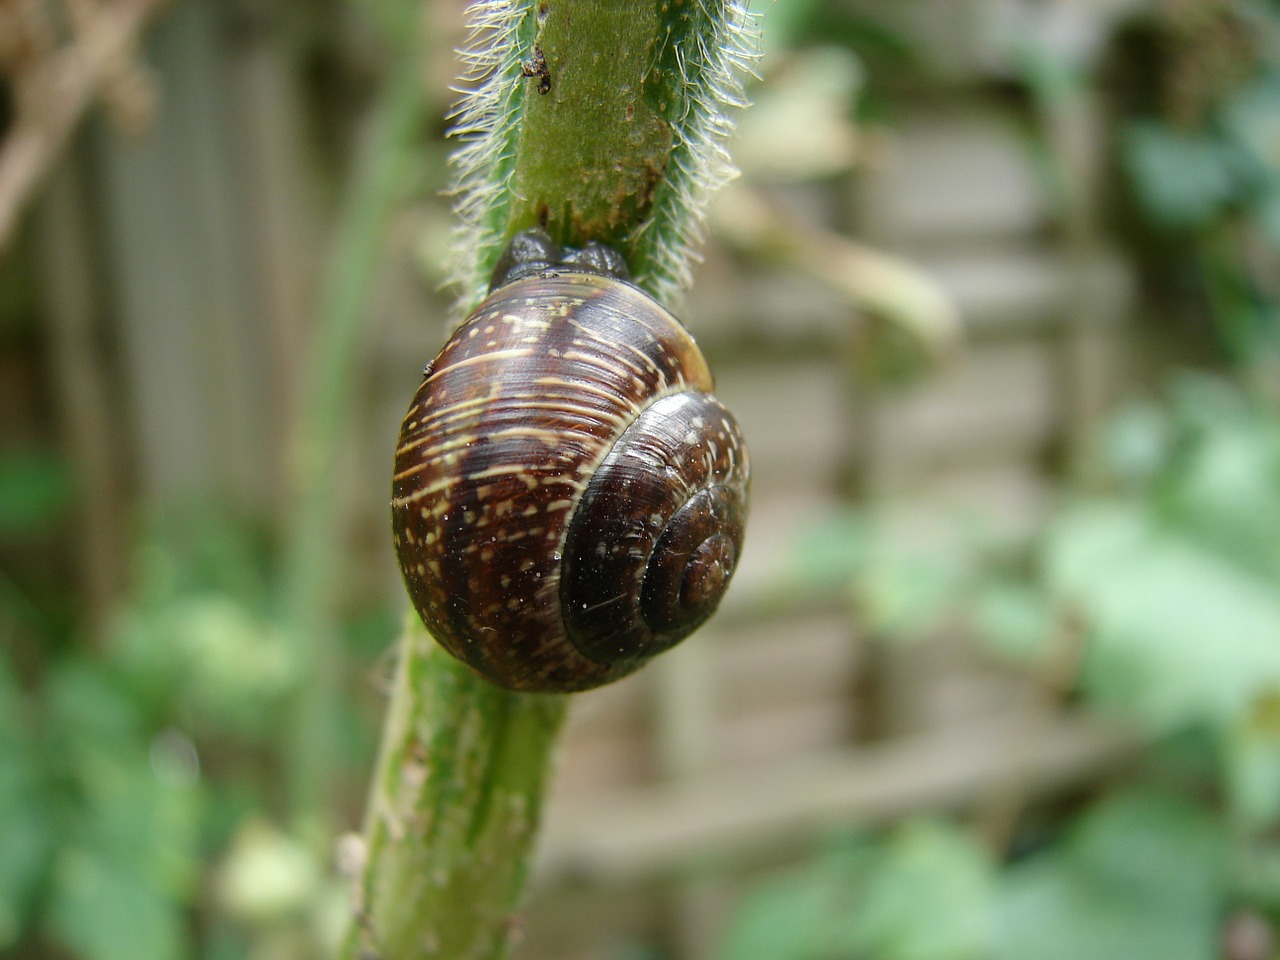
(484, 121)
(717, 56)
(712, 46)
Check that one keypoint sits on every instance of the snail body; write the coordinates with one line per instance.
(569, 498)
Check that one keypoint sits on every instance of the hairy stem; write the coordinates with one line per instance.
(598, 121)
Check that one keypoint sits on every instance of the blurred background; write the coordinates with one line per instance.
(996, 301)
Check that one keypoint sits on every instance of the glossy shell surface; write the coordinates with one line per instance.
(569, 499)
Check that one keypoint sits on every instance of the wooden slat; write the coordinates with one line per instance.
(747, 812)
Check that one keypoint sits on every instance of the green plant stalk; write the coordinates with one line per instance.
(310, 555)
(598, 121)
(454, 811)
(599, 79)
(620, 139)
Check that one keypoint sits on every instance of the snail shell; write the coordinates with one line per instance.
(569, 498)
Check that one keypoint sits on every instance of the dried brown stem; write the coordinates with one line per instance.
(869, 279)
(53, 92)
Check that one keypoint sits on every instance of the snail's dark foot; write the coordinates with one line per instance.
(532, 252)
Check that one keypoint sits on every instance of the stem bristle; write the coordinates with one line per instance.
(713, 46)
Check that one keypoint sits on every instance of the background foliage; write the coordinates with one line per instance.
(1157, 576)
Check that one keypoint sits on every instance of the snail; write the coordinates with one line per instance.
(569, 499)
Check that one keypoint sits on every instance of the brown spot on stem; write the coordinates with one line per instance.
(536, 66)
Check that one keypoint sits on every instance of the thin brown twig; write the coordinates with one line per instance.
(126, 89)
(53, 94)
(26, 35)
(869, 279)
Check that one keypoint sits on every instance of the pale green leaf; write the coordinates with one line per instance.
(1141, 877)
(784, 921)
(801, 914)
(1183, 180)
(1178, 634)
(930, 899)
(905, 596)
(1013, 619)
(1226, 490)
(105, 913)
(27, 838)
(1135, 444)
(1251, 757)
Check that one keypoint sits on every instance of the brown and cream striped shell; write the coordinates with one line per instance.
(569, 498)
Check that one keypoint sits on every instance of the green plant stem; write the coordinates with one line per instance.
(311, 554)
(620, 140)
(453, 813)
(598, 80)
(617, 136)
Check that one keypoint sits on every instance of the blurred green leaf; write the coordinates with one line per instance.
(91, 719)
(27, 840)
(1152, 843)
(1224, 488)
(13, 723)
(1258, 878)
(1182, 179)
(1136, 443)
(922, 894)
(808, 105)
(1201, 403)
(35, 489)
(218, 664)
(1179, 635)
(27, 830)
(801, 915)
(905, 596)
(1013, 618)
(1267, 211)
(1051, 76)
(1142, 876)
(105, 913)
(144, 825)
(930, 899)
(203, 551)
(783, 23)
(123, 880)
(1250, 117)
(267, 875)
(126, 864)
(830, 553)
(1251, 756)
(237, 666)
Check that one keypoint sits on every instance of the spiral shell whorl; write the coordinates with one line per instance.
(529, 441)
(674, 481)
